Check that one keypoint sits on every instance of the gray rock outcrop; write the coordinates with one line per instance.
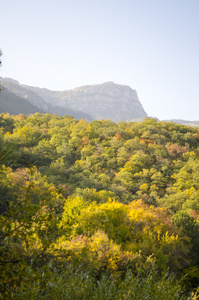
(102, 101)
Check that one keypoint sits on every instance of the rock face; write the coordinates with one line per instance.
(101, 101)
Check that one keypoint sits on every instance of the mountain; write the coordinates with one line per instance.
(15, 105)
(61, 111)
(30, 97)
(14, 87)
(100, 101)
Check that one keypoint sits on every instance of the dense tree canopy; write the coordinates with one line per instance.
(98, 202)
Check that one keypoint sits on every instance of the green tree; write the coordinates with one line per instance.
(27, 228)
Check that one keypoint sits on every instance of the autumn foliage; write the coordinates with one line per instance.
(94, 209)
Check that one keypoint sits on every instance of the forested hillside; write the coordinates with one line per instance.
(98, 210)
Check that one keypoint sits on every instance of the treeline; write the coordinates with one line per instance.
(98, 210)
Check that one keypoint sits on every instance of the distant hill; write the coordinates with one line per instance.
(32, 98)
(184, 122)
(15, 105)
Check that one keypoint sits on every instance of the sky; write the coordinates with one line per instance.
(150, 45)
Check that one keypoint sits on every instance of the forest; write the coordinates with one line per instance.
(98, 210)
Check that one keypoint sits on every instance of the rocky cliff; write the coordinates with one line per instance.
(101, 101)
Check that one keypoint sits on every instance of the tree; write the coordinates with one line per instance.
(28, 226)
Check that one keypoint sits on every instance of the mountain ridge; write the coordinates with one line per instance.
(15, 88)
(13, 104)
(101, 101)
(98, 101)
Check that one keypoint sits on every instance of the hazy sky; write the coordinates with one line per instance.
(150, 45)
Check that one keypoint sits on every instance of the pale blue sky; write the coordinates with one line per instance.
(150, 45)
